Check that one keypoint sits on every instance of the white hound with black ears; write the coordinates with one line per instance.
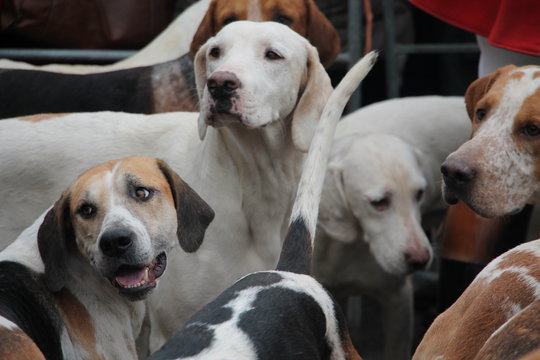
(71, 284)
(282, 314)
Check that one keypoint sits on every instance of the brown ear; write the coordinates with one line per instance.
(54, 235)
(480, 87)
(308, 111)
(206, 29)
(194, 214)
(322, 34)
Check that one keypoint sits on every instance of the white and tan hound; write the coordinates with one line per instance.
(72, 282)
(497, 172)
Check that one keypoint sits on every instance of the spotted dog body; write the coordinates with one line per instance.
(497, 171)
(70, 285)
(282, 314)
(496, 317)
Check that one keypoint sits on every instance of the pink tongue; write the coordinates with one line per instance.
(131, 279)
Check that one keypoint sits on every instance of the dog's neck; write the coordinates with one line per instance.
(267, 168)
(95, 314)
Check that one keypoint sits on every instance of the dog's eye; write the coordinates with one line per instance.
(419, 195)
(272, 55)
(480, 114)
(229, 20)
(531, 130)
(380, 204)
(142, 193)
(87, 211)
(215, 52)
(284, 19)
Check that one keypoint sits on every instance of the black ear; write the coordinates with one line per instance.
(194, 214)
(54, 234)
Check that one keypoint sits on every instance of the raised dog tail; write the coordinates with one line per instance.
(297, 248)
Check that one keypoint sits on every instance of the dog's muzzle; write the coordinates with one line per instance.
(134, 280)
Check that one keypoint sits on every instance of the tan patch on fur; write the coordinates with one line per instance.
(519, 336)
(529, 114)
(535, 355)
(348, 348)
(78, 322)
(462, 330)
(16, 345)
(42, 117)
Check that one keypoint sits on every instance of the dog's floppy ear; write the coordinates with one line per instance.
(199, 65)
(194, 214)
(54, 235)
(315, 94)
(335, 217)
(206, 29)
(480, 87)
(322, 34)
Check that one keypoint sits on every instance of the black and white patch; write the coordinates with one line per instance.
(25, 301)
(265, 315)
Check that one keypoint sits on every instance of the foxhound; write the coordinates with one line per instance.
(281, 314)
(73, 282)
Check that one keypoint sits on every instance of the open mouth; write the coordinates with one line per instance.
(135, 282)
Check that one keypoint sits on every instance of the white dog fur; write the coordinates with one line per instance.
(247, 170)
(383, 177)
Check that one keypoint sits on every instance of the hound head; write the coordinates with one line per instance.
(122, 217)
(256, 74)
(303, 16)
(376, 197)
(497, 171)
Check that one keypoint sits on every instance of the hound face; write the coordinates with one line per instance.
(380, 199)
(124, 221)
(122, 217)
(253, 74)
(497, 172)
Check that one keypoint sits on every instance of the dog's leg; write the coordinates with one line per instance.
(397, 312)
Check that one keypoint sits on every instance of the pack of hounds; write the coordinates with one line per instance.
(204, 199)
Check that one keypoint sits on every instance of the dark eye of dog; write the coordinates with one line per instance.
(215, 52)
(284, 19)
(419, 195)
(142, 193)
(87, 211)
(531, 130)
(380, 204)
(480, 114)
(272, 55)
(229, 20)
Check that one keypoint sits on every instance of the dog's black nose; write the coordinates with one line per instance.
(457, 173)
(115, 243)
(222, 84)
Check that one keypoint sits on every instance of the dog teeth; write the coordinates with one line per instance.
(140, 283)
(145, 279)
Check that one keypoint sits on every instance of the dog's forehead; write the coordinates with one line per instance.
(249, 33)
(103, 178)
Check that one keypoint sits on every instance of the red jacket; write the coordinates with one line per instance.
(509, 24)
